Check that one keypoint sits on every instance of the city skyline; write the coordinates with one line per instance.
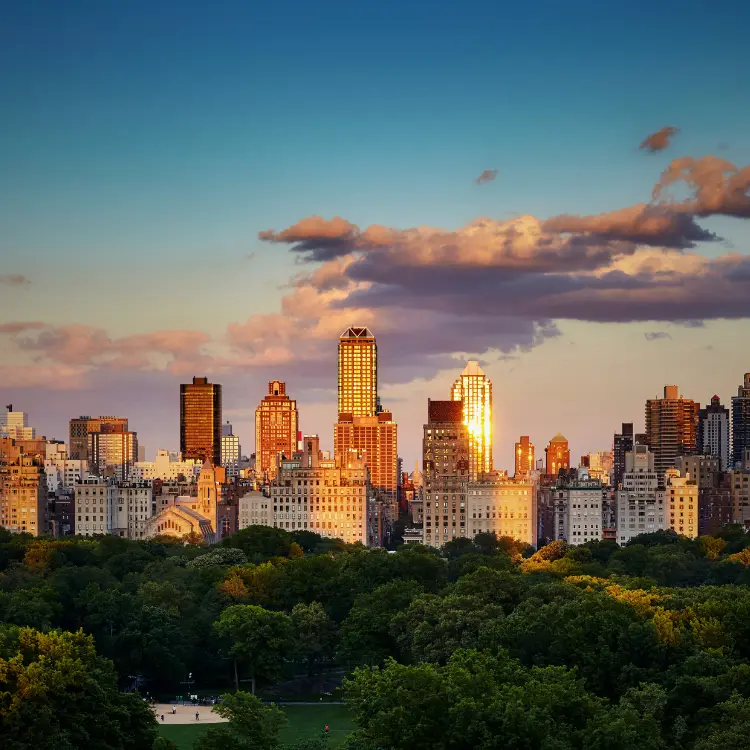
(534, 225)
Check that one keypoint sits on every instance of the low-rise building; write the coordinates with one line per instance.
(93, 503)
(255, 509)
(168, 467)
(327, 497)
(132, 505)
(23, 490)
(578, 507)
(682, 503)
(503, 507)
(640, 502)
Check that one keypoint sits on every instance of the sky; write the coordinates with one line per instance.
(222, 188)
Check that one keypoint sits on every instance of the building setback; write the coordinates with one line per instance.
(200, 421)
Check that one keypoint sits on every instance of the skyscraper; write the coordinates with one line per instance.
(358, 373)
(375, 438)
(741, 421)
(474, 389)
(713, 432)
(445, 467)
(113, 451)
(82, 427)
(276, 425)
(524, 456)
(671, 426)
(230, 451)
(15, 424)
(623, 444)
(200, 421)
(557, 455)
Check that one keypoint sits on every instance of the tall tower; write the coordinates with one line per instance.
(276, 424)
(82, 427)
(557, 454)
(671, 425)
(445, 463)
(741, 421)
(524, 456)
(713, 432)
(200, 421)
(474, 389)
(358, 373)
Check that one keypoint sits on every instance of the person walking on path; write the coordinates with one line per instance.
(174, 709)
(162, 718)
(197, 716)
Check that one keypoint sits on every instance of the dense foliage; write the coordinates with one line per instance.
(489, 645)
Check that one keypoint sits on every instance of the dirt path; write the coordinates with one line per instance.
(186, 714)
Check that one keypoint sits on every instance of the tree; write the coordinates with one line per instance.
(260, 543)
(221, 556)
(162, 743)
(57, 692)
(314, 634)
(366, 636)
(252, 726)
(255, 638)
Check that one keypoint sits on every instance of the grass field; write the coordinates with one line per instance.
(305, 722)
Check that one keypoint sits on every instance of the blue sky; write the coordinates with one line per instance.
(144, 145)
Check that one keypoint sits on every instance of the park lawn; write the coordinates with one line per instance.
(305, 722)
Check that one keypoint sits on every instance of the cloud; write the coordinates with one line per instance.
(86, 346)
(656, 335)
(14, 279)
(659, 140)
(20, 326)
(642, 223)
(320, 238)
(718, 186)
(487, 176)
(48, 377)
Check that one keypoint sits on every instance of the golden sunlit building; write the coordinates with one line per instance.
(682, 503)
(200, 421)
(375, 438)
(82, 427)
(503, 507)
(308, 492)
(23, 490)
(557, 454)
(474, 389)
(524, 456)
(358, 373)
(276, 425)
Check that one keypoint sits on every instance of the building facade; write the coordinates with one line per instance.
(524, 456)
(578, 508)
(200, 421)
(713, 433)
(23, 490)
(113, 452)
(358, 373)
(230, 451)
(446, 467)
(276, 427)
(255, 510)
(503, 507)
(640, 501)
(474, 390)
(557, 455)
(80, 429)
(375, 438)
(327, 497)
(168, 466)
(741, 421)
(682, 504)
(15, 424)
(93, 506)
(671, 428)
